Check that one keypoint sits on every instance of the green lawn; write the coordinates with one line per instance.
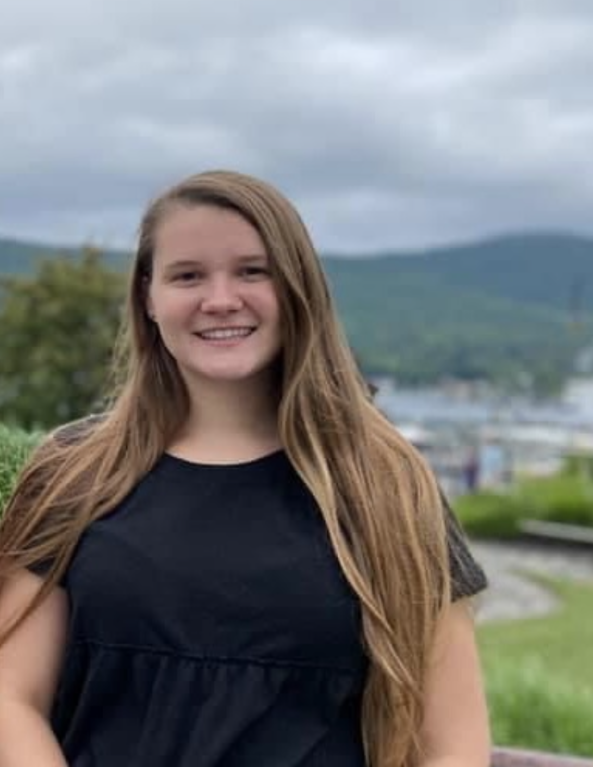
(539, 674)
(562, 641)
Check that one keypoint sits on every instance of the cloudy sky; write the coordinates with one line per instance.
(390, 124)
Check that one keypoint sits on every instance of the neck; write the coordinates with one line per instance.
(229, 420)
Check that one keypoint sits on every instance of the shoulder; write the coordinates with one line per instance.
(74, 432)
(53, 444)
(49, 452)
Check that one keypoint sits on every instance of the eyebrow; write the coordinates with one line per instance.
(253, 257)
(184, 263)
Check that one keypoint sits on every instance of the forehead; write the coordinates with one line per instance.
(202, 231)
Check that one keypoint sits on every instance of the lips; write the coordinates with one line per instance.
(225, 334)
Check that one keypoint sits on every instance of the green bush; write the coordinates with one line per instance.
(15, 446)
(565, 497)
(530, 709)
(488, 514)
(579, 464)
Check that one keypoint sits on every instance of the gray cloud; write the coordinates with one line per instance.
(389, 124)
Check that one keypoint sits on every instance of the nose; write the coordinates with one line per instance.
(220, 296)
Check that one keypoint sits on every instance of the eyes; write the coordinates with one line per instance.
(246, 273)
(253, 272)
(185, 277)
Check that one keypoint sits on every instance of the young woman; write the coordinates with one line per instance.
(241, 563)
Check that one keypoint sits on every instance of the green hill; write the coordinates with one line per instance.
(498, 309)
(20, 258)
(550, 270)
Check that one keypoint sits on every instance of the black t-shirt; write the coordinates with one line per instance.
(211, 625)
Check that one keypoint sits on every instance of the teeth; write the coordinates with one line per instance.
(215, 335)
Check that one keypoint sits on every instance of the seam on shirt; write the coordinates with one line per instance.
(217, 659)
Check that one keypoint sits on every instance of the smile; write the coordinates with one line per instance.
(223, 334)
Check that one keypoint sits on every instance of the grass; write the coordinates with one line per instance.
(529, 710)
(561, 641)
(539, 674)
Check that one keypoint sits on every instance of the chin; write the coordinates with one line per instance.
(228, 375)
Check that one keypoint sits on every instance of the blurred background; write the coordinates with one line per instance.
(440, 155)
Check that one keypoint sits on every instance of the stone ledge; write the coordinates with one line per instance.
(513, 757)
(558, 531)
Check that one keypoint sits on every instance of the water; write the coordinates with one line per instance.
(504, 435)
(437, 406)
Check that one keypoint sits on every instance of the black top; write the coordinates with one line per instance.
(211, 626)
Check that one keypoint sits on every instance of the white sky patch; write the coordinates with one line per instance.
(391, 125)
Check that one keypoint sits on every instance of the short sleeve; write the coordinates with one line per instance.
(467, 576)
(42, 568)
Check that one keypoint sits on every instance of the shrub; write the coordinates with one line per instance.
(578, 464)
(15, 446)
(565, 497)
(488, 514)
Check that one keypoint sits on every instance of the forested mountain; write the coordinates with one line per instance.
(552, 270)
(498, 309)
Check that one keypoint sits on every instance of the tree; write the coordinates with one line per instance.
(57, 332)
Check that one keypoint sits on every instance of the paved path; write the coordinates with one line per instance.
(513, 596)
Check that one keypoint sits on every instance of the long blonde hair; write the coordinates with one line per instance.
(378, 498)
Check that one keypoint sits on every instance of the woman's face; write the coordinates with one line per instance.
(212, 295)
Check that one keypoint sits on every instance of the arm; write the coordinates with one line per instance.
(30, 663)
(456, 730)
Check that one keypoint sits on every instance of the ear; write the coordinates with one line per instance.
(148, 302)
